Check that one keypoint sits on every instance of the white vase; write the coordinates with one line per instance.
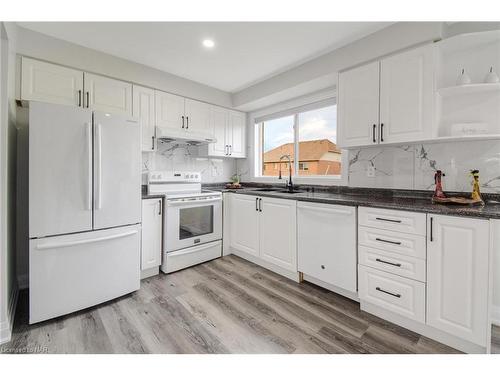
(463, 79)
(491, 77)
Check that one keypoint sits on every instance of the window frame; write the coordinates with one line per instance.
(306, 179)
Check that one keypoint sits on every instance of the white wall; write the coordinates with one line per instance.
(321, 72)
(40, 46)
(8, 283)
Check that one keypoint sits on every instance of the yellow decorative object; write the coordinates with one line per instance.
(476, 194)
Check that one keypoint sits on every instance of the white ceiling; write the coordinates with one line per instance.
(245, 52)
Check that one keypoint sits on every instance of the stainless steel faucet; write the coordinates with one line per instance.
(289, 183)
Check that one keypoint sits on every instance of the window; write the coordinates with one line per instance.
(310, 133)
(277, 140)
(303, 167)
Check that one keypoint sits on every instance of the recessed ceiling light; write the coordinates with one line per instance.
(208, 43)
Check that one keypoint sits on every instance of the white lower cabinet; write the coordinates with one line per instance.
(152, 221)
(244, 226)
(457, 276)
(264, 229)
(429, 273)
(327, 243)
(277, 228)
(395, 293)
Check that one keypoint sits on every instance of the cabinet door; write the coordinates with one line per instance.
(219, 126)
(197, 116)
(244, 223)
(327, 243)
(457, 276)
(51, 83)
(278, 239)
(144, 110)
(236, 134)
(358, 108)
(169, 111)
(151, 233)
(108, 95)
(406, 95)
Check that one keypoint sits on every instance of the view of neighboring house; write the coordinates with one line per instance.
(317, 157)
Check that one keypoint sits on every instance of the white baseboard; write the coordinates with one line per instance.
(425, 330)
(23, 281)
(495, 315)
(6, 326)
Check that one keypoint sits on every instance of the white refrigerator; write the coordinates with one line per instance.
(84, 208)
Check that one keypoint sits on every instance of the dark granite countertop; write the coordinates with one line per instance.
(407, 200)
(145, 194)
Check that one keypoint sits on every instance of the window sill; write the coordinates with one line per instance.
(303, 180)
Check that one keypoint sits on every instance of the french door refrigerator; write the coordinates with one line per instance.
(84, 208)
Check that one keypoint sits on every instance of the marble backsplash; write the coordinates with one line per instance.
(413, 167)
(173, 157)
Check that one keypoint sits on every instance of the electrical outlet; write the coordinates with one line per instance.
(370, 171)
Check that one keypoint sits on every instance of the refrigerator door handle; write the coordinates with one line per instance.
(98, 167)
(55, 245)
(89, 164)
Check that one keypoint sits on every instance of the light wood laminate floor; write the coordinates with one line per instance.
(224, 306)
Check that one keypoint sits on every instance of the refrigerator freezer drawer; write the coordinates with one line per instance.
(72, 272)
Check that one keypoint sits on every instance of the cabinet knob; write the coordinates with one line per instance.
(322, 267)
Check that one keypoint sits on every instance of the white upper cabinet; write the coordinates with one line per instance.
(144, 110)
(51, 83)
(169, 111)
(388, 101)
(151, 233)
(229, 129)
(458, 276)
(236, 134)
(107, 94)
(358, 106)
(219, 123)
(197, 116)
(406, 96)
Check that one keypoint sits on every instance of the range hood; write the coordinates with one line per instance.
(181, 136)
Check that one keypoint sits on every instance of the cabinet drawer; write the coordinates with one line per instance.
(401, 243)
(399, 221)
(395, 293)
(397, 264)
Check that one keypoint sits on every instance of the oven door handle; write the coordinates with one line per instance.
(198, 202)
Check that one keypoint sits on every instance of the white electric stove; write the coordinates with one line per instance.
(192, 219)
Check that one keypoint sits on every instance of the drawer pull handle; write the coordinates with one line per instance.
(390, 263)
(386, 292)
(390, 220)
(387, 241)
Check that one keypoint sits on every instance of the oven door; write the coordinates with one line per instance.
(192, 222)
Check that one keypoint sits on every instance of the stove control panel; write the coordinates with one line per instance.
(169, 176)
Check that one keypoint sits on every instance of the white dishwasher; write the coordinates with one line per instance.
(327, 253)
